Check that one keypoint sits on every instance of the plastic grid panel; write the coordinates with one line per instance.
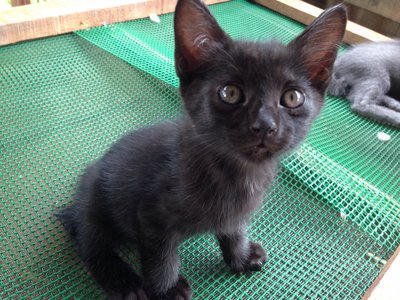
(63, 103)
(150, 46)
(349, 142)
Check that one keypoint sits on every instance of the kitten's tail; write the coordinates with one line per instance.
(69, 218)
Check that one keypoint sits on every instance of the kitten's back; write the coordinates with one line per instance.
(374, 62)
(386, 54)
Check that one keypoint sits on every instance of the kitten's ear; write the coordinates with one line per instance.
(197, 33)
(317, 46)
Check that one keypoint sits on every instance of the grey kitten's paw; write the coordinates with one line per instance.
(256, 259)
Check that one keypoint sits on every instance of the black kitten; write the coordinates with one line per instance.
(369, 76)
(246, 103)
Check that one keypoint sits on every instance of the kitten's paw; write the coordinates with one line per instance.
(258, 256)
(139, 294)
(181, 291)
(255, 261)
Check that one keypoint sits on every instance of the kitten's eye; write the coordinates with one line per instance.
(292, 99)
(230, 94)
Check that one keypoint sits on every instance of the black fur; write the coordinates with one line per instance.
(207, 171)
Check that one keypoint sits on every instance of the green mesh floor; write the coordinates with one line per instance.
(329, 223)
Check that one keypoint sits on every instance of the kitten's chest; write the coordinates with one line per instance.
(219, 200)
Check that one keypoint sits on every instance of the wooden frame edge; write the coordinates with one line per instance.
(381, 276)
(57, 17)
(305, 13)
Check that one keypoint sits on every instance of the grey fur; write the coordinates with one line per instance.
(369, 76)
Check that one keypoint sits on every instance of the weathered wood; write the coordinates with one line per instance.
(57, 17)
(386, 8)
(305, 13)
(20, 2)
(386, 285)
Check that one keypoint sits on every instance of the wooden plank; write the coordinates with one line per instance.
(305, 13)
(20, 2)
(62, 16)
(386, 285)
(389, 9)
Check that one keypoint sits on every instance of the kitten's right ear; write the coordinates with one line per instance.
(317, 46)
(197, 33)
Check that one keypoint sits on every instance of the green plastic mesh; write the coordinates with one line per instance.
(329, 223)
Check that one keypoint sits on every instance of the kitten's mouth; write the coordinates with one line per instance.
(261, 145)
(262, 148)
(259, 151)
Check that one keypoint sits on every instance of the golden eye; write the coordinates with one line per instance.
(292, 99)
(230, 94)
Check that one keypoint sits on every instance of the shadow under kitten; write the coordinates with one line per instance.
(246, 103)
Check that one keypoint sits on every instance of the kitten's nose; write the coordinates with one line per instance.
(264, 127)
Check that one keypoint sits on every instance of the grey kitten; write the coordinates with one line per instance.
(369, 76)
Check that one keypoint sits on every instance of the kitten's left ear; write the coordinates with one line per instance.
(197, 33)
(317, 46)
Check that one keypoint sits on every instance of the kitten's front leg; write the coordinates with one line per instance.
(160, 263)
(370, 101)
(378, 113)
(239, 253)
